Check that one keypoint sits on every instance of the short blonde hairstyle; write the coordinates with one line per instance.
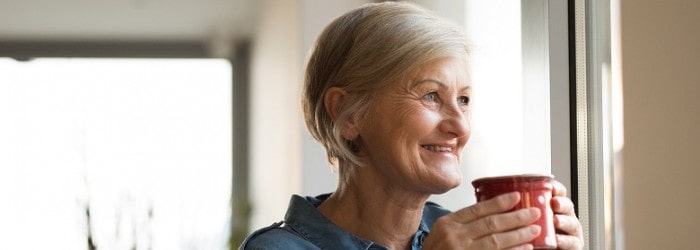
(362, 51)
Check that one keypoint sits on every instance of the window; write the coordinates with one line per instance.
(520, 111)
(134, 153)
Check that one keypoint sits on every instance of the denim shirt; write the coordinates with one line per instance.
(304, 227)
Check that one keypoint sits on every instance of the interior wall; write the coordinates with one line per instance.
(275, 112)
(660, 63)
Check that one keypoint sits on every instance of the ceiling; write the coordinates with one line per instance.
(126, 20)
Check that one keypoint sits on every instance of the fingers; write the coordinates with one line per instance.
(499, 204)
(562, 205)
(509, 240)
(569, 242)
(490, 225)
(565, 221)
(522, 247)
(567, 224)
(503, 222)
(558, 189)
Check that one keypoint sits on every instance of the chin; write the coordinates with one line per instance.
(442, 178)
(442, 190)
(447, 183)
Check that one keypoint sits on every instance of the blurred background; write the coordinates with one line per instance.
(176, 124)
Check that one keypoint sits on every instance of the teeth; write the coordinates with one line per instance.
(435, 148)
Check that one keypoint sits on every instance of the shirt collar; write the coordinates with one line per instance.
(304, 218)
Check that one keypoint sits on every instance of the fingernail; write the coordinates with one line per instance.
(513, 195)
(534, 211)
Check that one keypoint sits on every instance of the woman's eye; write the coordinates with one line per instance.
(463, 100)
(431, 97)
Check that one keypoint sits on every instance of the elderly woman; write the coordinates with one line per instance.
(387, 93)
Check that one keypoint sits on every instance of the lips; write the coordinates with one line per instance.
(437, 148)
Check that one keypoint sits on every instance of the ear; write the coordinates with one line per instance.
(333, 100)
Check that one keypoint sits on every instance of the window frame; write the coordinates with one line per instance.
(591, 82)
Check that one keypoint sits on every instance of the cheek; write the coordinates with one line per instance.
(422, 122)
(400, 120)
(401, 112)
(404, 127)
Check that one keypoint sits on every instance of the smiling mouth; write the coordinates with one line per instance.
(436, 148)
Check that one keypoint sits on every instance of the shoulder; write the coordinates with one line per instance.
(273, 237)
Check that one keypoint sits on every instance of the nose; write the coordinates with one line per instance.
(455, 122)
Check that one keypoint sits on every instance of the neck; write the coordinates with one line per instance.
(375, 211)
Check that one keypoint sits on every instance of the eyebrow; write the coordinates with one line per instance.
(442, 85)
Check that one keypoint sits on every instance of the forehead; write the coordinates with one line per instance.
(452, 70)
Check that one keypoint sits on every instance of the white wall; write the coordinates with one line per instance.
(660, 63)
(275, 111)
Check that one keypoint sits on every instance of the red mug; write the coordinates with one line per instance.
(535, 191)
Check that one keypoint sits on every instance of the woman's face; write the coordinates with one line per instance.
(415, 130)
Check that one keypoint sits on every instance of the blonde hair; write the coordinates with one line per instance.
(362, 51)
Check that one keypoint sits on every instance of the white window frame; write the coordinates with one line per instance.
(595, 154)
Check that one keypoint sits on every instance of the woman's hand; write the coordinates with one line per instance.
(488, 225)
(569, 230)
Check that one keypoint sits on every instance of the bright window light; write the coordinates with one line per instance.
(144, 145)
(500, 142)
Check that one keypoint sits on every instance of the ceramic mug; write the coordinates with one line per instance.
(535, 191)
